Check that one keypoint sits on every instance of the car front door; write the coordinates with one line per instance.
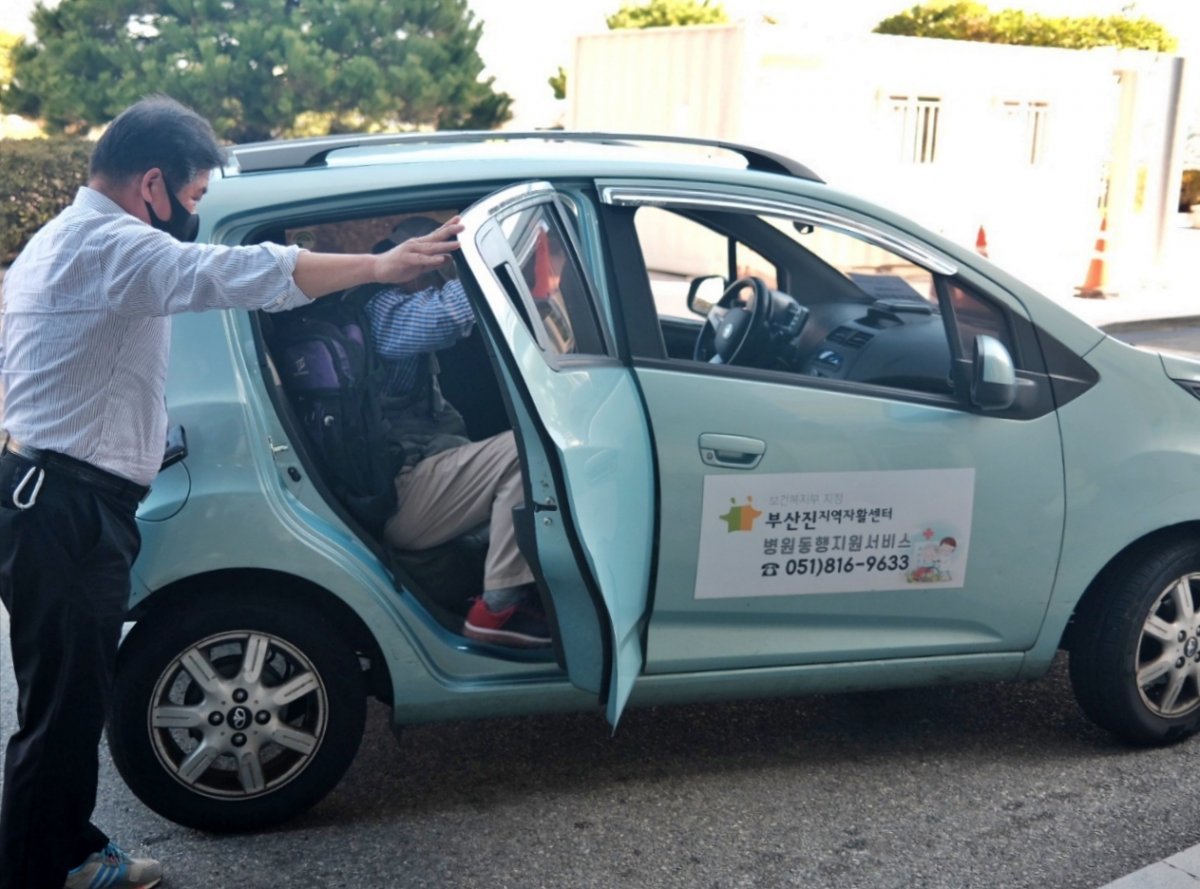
(846, 503)
(589, 508)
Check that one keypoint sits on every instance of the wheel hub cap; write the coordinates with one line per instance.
(1167, 664)
(239, 718)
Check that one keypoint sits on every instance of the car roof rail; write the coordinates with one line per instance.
(293, 154)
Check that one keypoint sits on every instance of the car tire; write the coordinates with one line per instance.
(234, 715)
(1135, 652)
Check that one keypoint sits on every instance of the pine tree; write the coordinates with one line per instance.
(259, 68)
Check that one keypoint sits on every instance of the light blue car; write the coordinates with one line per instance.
(775, 440)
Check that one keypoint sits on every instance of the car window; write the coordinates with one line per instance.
(844, 305)
(975, 315)
(563, 320)
(877, 272)
(875, 314)
(678, 250)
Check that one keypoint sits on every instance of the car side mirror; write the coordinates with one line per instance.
(704, 293)
(993, 376)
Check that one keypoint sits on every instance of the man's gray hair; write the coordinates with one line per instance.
(156, 132)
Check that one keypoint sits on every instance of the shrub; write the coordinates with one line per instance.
(38, 177)
(667, 13)
(966, 20)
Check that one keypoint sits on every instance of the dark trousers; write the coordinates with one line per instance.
(64, 578)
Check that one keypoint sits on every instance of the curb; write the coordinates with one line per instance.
(1179, 871)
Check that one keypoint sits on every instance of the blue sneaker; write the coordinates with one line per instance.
(112, 868)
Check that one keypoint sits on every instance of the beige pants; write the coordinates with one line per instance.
(454, 491)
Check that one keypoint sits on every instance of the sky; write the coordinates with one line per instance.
(524, 41)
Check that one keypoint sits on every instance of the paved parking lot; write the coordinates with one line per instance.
(986, 785)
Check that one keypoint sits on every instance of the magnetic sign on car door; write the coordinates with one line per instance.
(832, 532)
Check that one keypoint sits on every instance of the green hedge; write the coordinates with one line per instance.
(968, 20)
(38, 177)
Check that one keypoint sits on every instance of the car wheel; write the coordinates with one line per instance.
(233, 715)
(1135, 655)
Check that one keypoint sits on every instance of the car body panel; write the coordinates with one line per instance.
(1123, 484)
(1180, 367)
(242, 509)
(593, 416)
(490, 700)
(1018, 499)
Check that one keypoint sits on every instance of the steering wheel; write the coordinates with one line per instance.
(736, 330)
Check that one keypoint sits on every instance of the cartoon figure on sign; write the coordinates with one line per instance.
(740, 518)
(933, 560)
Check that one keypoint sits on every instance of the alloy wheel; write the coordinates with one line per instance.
(238, 714)
(1168, 655)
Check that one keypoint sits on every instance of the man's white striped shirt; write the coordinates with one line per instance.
(85, 328)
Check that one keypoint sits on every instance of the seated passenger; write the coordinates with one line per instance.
(449, 484)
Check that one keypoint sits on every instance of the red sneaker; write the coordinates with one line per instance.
(515, 626)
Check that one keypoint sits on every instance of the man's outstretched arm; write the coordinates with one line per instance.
(318, 274)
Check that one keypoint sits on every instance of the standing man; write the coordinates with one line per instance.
(84, 338)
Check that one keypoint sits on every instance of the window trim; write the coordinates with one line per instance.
(543, 194)
(659, 196)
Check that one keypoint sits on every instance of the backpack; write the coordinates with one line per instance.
(329, 369)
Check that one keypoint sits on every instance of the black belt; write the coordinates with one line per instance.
(60, 464)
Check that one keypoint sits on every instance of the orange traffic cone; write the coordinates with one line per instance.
(1095, 285)
(981, 243)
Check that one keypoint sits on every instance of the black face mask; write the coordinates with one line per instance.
(182, 225)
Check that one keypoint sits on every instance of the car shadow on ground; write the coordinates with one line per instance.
(480, 763)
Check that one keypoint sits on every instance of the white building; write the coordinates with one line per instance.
(1035, 146)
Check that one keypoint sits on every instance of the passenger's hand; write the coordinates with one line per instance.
(416, 256)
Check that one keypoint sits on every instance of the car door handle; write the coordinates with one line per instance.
(732, 451)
